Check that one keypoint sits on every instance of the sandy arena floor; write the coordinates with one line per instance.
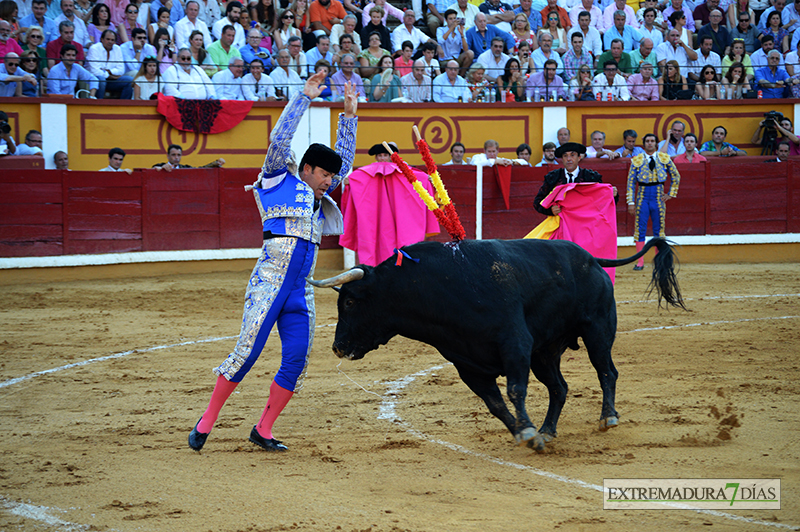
(102, 445)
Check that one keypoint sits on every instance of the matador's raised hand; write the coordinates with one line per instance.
(350, 100)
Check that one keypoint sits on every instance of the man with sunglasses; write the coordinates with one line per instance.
(185, 26)
(37, 18)
(135, 50)
(746, 32)
(11, 76)
(187, 81)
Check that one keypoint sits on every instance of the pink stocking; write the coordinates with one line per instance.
(278, 398)
(222, 390)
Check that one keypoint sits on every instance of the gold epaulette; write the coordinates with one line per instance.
(638, 160)
(663, 157)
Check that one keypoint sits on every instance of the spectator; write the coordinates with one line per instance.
(548, 155)
(576, 56)
(371, 55)
(629, 36)
(404, 63)
(779, 35)
(759, 57)
(691, 155)
(228, 83)
(552, 27)
(644, 54)
(284, 30)
(562, 135)
(254, 50)
(432, 65)
(174, 157)
(12, 76)
(386, 8)
(376, 26)
(450, 87)
(105, 61)
(37, 18)
(592, 39)
(580, 87)
(457, 152)
(777, 5)
(264, 14)
(523, 155)
(191, 23)
(7, 144)
(789, 16)
(746, 32)
(101, 21)
(147, 81)
(526, 63)
(129, 23)
(678, 22)
(642, 86)
(772, 80)
(735, 82)
(324, 67)
(417, 84)
(200, 56)
(346, 46)
(68, 14)
(649, 172)
(674, 49)
(347, 27)
(494, 60)
(737, 55)
(323, 14)
(64, 77)
(673, 85)
(301, 22)
(233, 12)
(385, 86)
(623, 60)
(452, 39)
(545, 53)
(66, 31)
(257, 86)
(650, 28)
(223, 50)
(468, 11)
(480, 37)
(673, 145)
(29, 63)
(702, 12)
(512, 81)
(408, 32)
(629, 148)
(546, 84)
(610, 85)
(553, 7)
(718, 33)
(320, 51)
(115, 158)
(676, 6)
(62, 160)
(285, 79)
(597, 149)
(135, 50)
(33, 40)
(611, 9)
(708, 88)
(345, 75)
(490, 155)
(187, 81)
(165, 49)
(498, 14)
(477, 85)
(717, 145)
(436, 15)
(175, 12)
(782, 151)
(32, 144)
(521, 32)
(706, 56)
(588, 7)
(784, 128)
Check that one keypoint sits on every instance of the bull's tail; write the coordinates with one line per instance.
(664, 280)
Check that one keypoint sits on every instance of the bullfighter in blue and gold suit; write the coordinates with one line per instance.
(650, 171)
(296, 211)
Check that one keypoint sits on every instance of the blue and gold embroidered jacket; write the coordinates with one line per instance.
(640, 173)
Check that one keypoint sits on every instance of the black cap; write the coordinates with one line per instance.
(322, 156)
(377, 149)
(570, 146)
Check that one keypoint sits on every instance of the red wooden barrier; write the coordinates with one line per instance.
(52, 212)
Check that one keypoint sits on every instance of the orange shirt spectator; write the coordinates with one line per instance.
(323, 14)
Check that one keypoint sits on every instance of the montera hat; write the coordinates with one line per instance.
(570, 146)
(322, 156)
(377, 149)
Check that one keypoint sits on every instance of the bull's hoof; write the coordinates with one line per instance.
(539, 441)
(525, 435)
(610, 422)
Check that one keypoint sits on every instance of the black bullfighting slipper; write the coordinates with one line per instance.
(638, 268)
(271, 444)
(197, 439)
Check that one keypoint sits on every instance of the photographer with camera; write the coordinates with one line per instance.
(774, 129)
(7, 144)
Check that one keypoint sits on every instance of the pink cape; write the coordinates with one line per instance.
(588, 218)
(382, 211)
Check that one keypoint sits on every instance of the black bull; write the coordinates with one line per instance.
(494, 308)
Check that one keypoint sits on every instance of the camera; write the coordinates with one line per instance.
(5, 128)
(772, 118)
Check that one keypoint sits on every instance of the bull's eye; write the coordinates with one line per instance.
(348, 303)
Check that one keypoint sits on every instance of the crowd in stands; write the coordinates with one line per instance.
(441, 51)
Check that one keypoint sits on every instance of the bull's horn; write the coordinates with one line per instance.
(351, 275)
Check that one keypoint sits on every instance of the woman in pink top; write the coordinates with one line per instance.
(388, 9)
(691, 155)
